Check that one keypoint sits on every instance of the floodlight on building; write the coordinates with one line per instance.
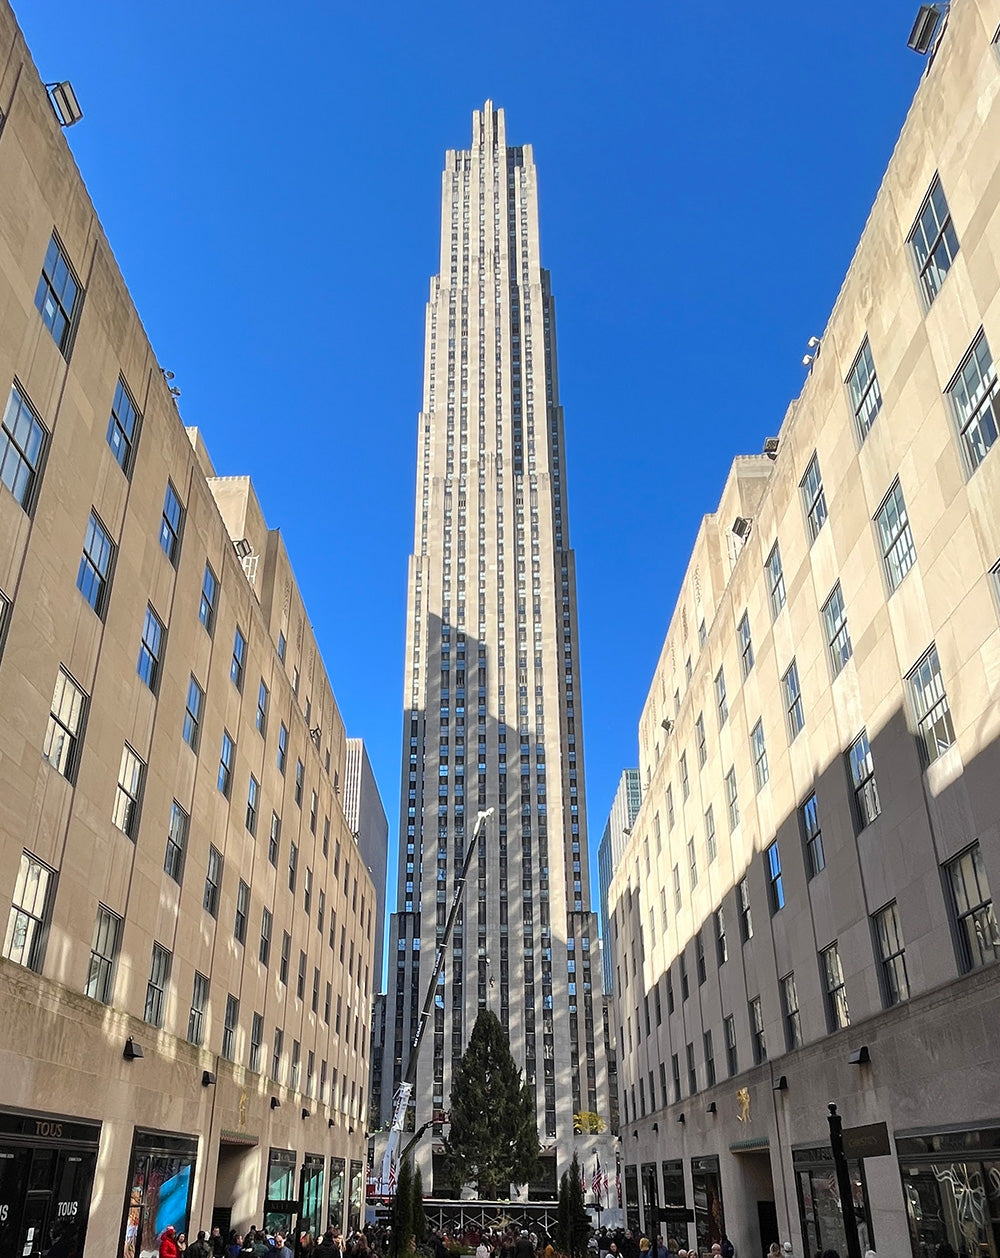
(132, 1051)
(207, 1078)
(771, 447)
(860, 1057)
(64, 103)
(781, 1083)
(305, 1113)
(813, 342)
(681, 1118)
(275, 1103)
(741, 527)
(924, 28)
(666, 725)
(712, 1108)
(242, 548)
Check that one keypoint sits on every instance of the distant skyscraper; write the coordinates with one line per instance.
(492, 713)
(624, 807)
(366, 817)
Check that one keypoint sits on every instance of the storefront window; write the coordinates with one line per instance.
(336, 1215)
(631, 1196)
(312, 1195)
(820, 1215)
(951, 1183)
(709, 1220)
(650, 1198)
(282, 1194)
(354, 1213)
(46, 1176)
(160, 1192)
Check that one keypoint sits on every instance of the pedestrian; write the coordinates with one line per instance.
(728, 1248)
(168, 1242)
(482, 1249)
(217, 1243)
(200, 1248)
(281, 1250)
(774, 1251)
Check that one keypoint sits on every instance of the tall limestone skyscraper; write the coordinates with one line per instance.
(492, 701)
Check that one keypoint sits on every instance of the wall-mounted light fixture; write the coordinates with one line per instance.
(305, 1113)
(207, 1078)
(64, 103)
(132, 1051)
(681, 1118)
(781, 1083)
(275, 1103)
(860, 1057)
(712, 1108)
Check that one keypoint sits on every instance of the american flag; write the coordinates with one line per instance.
(597, 1184)
(392, 1176)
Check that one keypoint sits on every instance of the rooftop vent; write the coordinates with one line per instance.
(924, 29)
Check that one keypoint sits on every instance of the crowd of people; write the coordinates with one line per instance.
(260, 1243)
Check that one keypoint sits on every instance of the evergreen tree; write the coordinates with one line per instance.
(419, 1218)
(579, 1219)
(493, 1141)
(402, 1211)
(562, 1228)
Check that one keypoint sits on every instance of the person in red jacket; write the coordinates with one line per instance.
(168, 1243)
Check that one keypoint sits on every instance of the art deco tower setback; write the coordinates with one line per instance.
(491, 703)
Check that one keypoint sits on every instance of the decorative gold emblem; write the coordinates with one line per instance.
(243, 1109)
(743, 1105)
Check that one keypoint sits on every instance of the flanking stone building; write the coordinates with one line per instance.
(187, 925)
(804, 913)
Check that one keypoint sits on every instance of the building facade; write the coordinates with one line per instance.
(186, 964)
(614, 840)
(492, 703)
(804, 913)
(366, 818)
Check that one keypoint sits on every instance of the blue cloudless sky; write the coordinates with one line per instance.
(269, 178)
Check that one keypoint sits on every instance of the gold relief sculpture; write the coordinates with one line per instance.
(743, 1105)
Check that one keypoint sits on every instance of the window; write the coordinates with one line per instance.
(813, 836)
(685, 782)
(253, 803)
(692, 1072)
(299, 781)
(128, 793)
(242, 912)
(758, 753)
(213, 881)
(692, 863)
(196, 1018)
(307, 884)
(274, 839)
(837, 1012)
(30, 911)
(721, 945)
(743, 903)
(300, 982)
(891, 955)
(670, 806)
(678, 901)
(239, 659)
(93, 579)
(5, 606)
(746, 645)
(702, 633)
(775, 885)
(150, 650)
(313, 811)
(58, 296)
(192, 714)
(813, 498)
(775, 581)
(276, 1053)
(286, 952)
(22, 445)
(699, 956)
(103, 956)
(933, 241)
(173, 862)
(794, 715)
(256, 1041)
(282, 646)
(266, 923)
(711, 842)
(229, 1027)
(866, 396)
(282, 749)
(65, 728)
(895, 538)
(979, 938)
(685, 988)
(699, 736)
(721, 702)
(170, 525)
(732, 799)
(976, 400)
(226, 764)
(729, 1026)
(687, 670)
(790, 1011)
(156, 986)
(838, 639)
(295, 682)
(866, 801)
(930, 706)
(209, 593)
(757, 1040)
(122, 428)
(293, 862)
(262, 698)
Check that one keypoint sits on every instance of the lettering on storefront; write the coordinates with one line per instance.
(4, 1212)
(53, 1130)
(67, 1209)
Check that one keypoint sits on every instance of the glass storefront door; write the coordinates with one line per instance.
(820, 1215)
(709, 1219)
(951, 1182)
(46, 1176)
